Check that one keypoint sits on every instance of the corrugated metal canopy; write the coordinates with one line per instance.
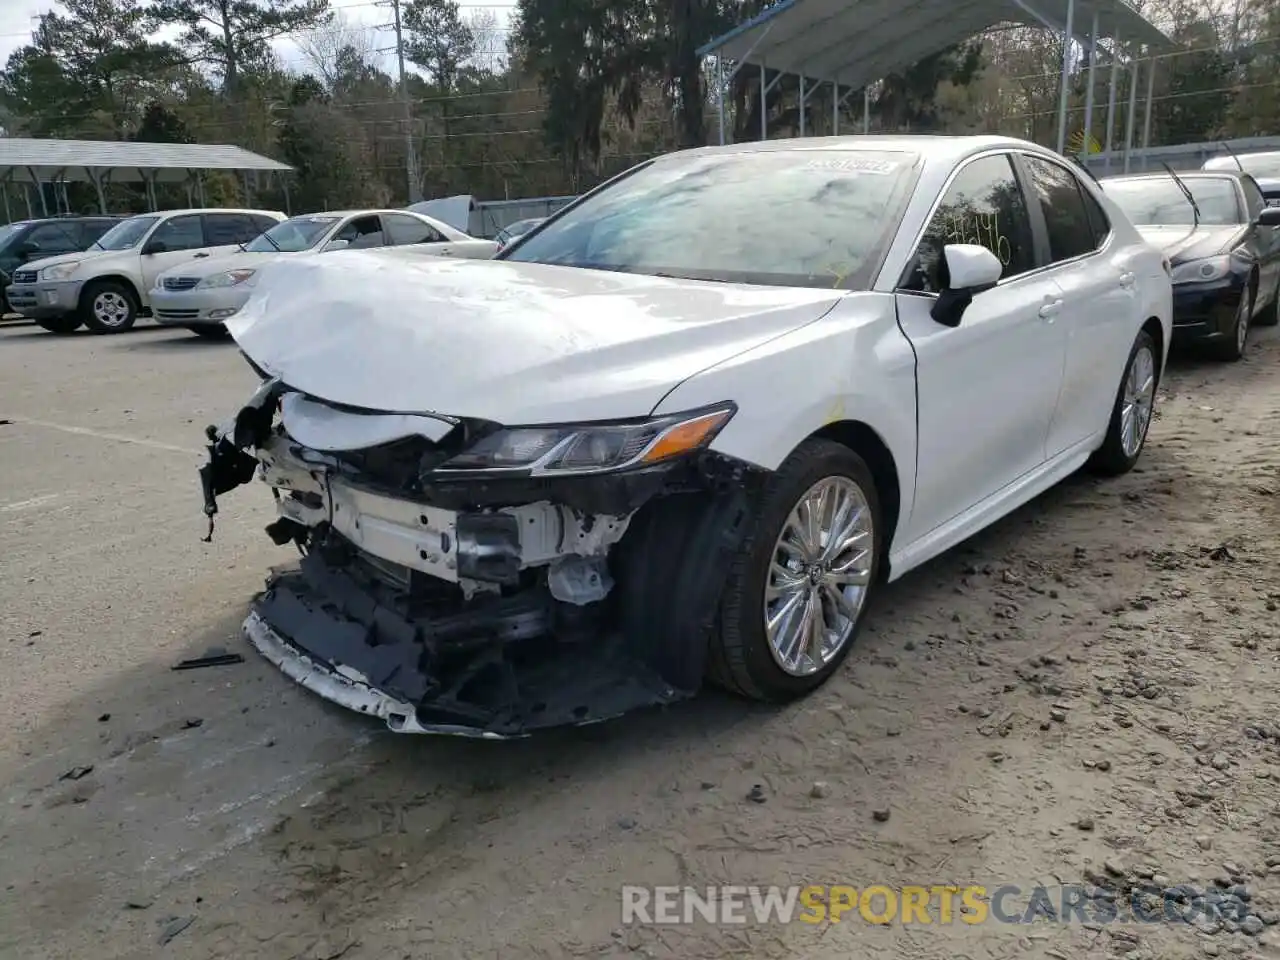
(120, 160)
(860, 41)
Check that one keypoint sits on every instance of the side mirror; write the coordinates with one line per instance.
(337, 244)
(968, 269)
(1269, 217)
(155, 246)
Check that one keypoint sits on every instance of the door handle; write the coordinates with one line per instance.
(1050, 309)
(1127, 278)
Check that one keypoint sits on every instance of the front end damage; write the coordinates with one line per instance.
(445, 594)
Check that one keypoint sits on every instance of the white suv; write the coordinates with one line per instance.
(107, 286)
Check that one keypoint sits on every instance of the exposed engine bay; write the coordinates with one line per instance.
(442, 598)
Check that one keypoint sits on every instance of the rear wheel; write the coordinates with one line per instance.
(1131, 414)
(68, 324)
(798, 589)
(1272, 316)
(107, 306)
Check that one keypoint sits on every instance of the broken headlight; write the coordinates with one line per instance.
(592, 447)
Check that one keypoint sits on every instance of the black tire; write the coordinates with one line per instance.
(1231, 348)
(68, 324)
(107, 306)
(1111, 459)
(1272, 316)
(741, 658)
(212, 332)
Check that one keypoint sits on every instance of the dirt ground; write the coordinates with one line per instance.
(1085, 693)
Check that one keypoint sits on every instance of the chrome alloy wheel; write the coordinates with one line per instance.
(818, 576)
(1139, 399)
(110, 309)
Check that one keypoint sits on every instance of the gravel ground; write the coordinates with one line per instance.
(1085, 693)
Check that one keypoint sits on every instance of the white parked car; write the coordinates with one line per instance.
(107, 286)
(686, 429)
(201, 296)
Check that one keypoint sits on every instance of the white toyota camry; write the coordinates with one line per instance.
(683, 430)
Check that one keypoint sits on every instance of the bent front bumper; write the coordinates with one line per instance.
(500, 607)
(329, 633)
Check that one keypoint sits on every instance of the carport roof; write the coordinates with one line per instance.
(860, 41)
(27, 161)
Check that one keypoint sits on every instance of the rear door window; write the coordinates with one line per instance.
(225, 229)
(1061, 200)
(403, 229)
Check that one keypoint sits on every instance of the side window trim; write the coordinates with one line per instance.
(1016, 172)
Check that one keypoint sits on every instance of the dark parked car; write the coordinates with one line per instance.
(29, 240)
(1223, 244)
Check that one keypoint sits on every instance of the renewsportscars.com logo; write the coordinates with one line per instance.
(938, 904)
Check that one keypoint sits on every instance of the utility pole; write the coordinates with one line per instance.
(411, 154)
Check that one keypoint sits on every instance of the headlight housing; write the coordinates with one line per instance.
(591, 447)
(59, 271)
(231, 278)
(1202, 271)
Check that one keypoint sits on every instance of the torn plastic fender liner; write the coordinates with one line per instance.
(229, 465)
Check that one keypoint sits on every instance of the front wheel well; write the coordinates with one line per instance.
(1152, 326)
(112, 278)
(866, 443)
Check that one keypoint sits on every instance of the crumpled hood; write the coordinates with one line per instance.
(509, 342)
(1181, 243)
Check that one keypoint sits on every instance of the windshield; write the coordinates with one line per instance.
(809, 218)
(126, 233)
(292, 236)
(1157, 201)
(8, 230)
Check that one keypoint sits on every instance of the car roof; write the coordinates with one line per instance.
(191, 210)
(935, 148)
(362, 211)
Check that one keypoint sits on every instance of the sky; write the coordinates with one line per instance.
(18, 17)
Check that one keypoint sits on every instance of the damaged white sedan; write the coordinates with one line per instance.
(684, 429)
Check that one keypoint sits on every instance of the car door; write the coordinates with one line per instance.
(1266, 241)
(1099, 298)
(987, 388)
(51, 240)
(404, 230)
(176, 240)
(362, 233)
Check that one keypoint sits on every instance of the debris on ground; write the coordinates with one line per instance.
(77, 773)
(213, 657)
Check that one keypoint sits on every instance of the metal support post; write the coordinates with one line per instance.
(1111, 99)
(1088, 99)
(1133, 109)
(1066, 73)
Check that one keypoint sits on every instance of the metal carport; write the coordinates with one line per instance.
(853, 43)
(33, 162)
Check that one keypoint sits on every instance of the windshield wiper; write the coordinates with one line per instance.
(1195, 209)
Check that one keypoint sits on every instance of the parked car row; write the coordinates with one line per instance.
(189, 268)
(1223, 245)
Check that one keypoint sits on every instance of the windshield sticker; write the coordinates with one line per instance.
(854, 165)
